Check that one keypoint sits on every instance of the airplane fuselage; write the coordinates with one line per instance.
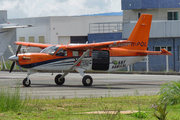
(97, 60)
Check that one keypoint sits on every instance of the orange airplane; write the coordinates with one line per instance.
(104, 56)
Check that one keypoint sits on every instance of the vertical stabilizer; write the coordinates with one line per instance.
(3, 16)
(140, 33)
(7, 31)
(5, 37)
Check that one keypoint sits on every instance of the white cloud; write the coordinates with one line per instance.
(38, 8)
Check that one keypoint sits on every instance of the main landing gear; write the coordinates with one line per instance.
(86, 80)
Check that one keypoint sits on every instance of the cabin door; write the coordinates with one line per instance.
(100, 60)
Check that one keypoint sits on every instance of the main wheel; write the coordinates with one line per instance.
(26, 83)
(87, 80)
(59, 81)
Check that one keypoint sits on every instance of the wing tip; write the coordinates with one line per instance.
(165, 52)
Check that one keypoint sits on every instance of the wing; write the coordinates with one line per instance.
(100, 45)
(162, 52)
(42, 46)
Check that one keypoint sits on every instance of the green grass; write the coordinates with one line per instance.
(73, 109)
(11, 100)
(170, 93)
(15, 106)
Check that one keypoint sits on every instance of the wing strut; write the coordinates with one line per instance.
(87, 51)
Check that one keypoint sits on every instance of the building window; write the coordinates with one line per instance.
(31, 39)
(173, 15)
(79, 39)
(41, 39)
(139, 15)
(158, 48)
(22, 39)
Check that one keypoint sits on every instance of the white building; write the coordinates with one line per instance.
(59, 29)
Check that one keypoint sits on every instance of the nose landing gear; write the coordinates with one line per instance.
(58, 80)
(26, 82)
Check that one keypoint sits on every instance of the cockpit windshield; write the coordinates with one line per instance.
(50, 50)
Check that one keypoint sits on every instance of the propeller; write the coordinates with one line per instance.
(14, 58)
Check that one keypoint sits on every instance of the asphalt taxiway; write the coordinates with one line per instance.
(43, 86)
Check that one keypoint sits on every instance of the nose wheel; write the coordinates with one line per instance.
(87, 80)
(58, 80)
(26, 82)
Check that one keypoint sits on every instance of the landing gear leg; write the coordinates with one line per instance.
(87, 79)
(59, 79)
(27, 82)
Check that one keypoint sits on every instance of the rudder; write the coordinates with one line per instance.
(140, 33)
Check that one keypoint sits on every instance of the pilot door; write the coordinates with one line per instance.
(100, 60)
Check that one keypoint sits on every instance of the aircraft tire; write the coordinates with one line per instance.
(87, 80)
(25, 83)
(59, 81)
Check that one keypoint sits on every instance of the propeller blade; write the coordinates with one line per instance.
(19, 48)
(19, 66)
(12, 66)
(10, 49)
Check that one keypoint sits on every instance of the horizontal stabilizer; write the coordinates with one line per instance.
(162, 52)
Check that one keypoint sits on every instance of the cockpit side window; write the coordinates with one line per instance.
(61, 52)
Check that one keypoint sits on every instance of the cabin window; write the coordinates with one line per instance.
(173, 15)
(75, 53)
(61, 52)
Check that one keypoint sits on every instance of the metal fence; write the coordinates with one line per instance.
(106, 27)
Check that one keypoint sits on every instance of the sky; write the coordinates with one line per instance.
(41, 8)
